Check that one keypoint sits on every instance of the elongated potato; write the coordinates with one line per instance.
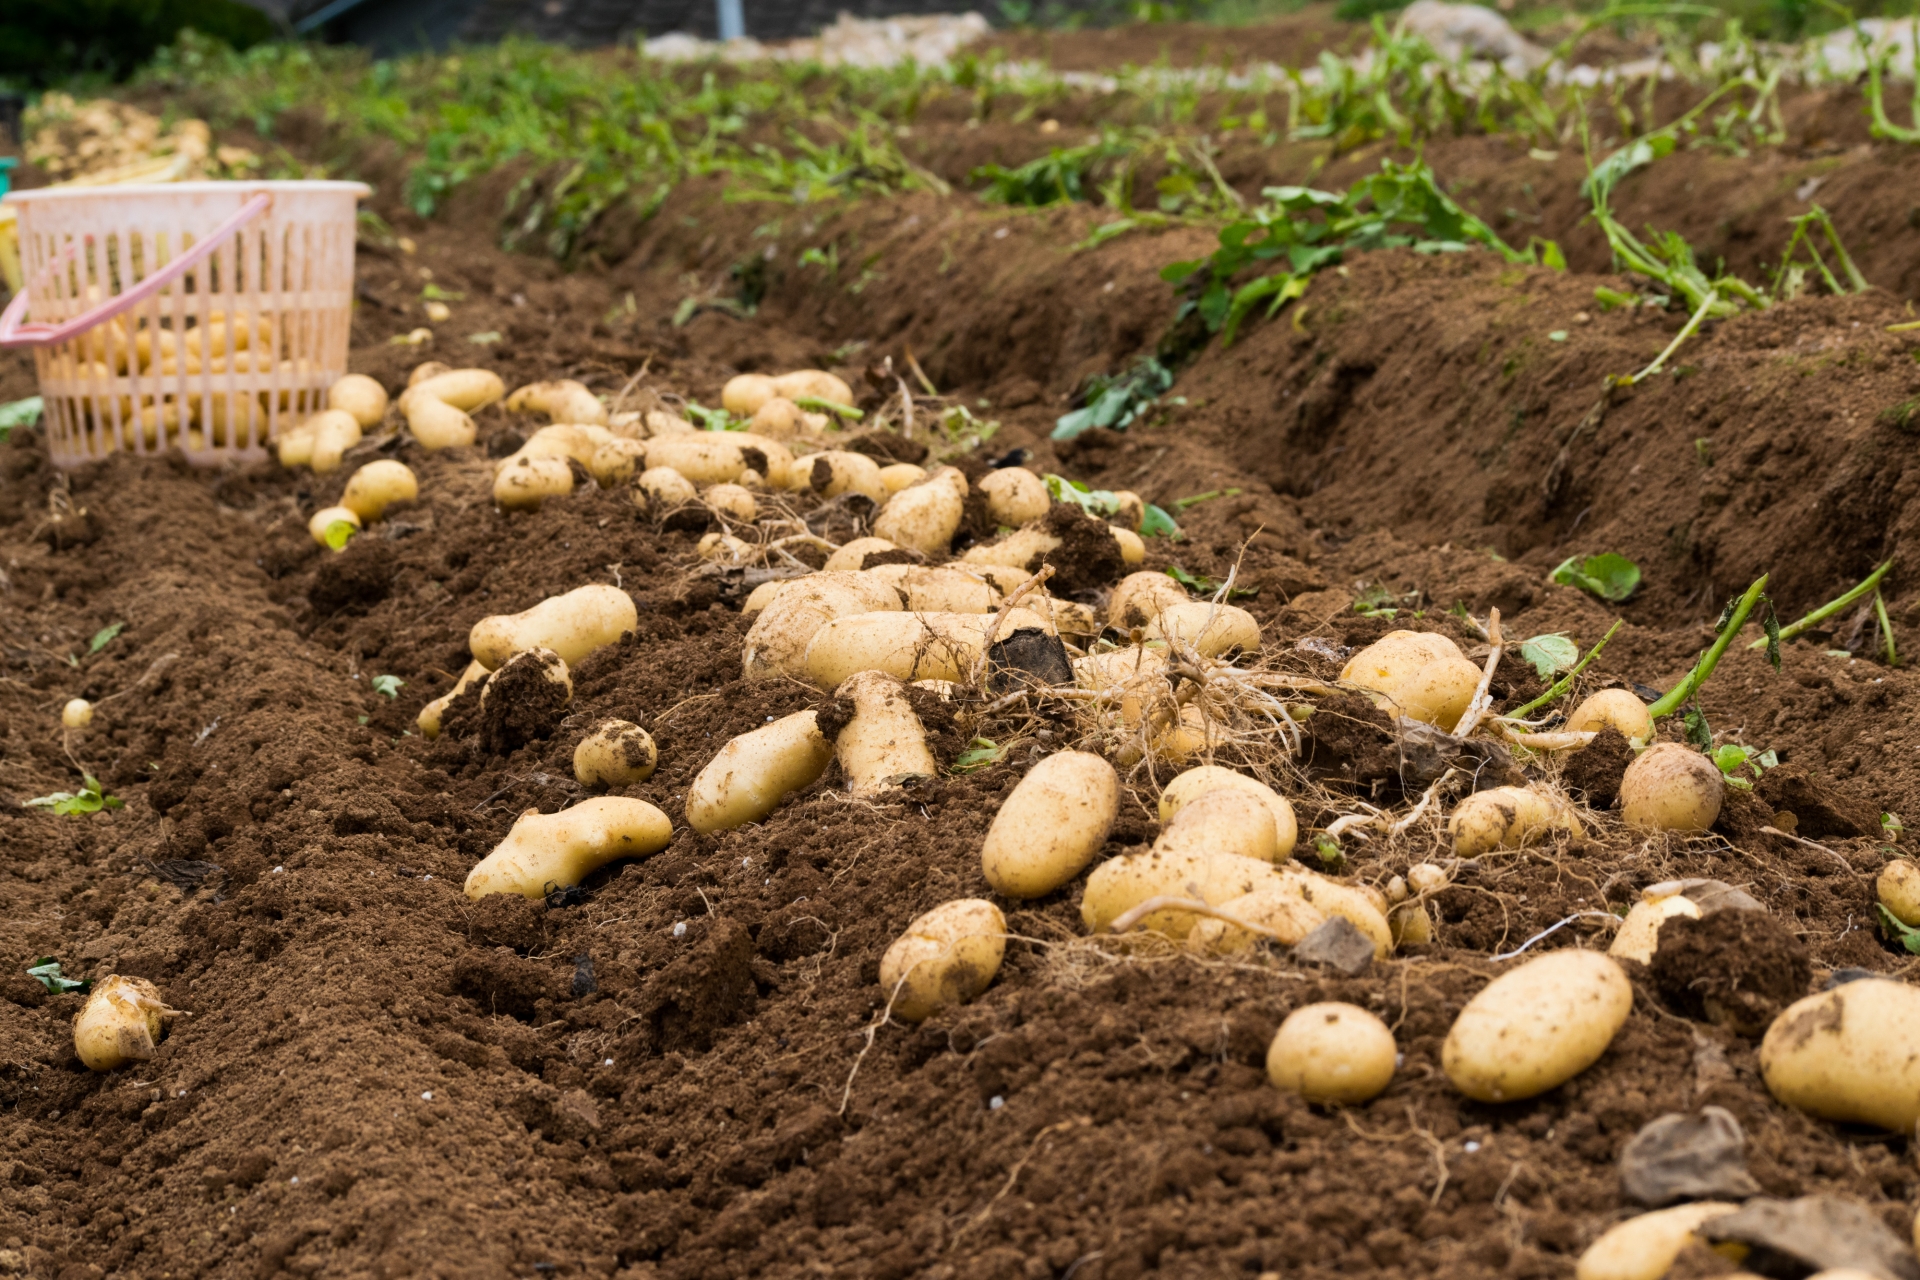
(1851, 1053)
(1360, 905)
(562, 400)
(1132, 679)
(320, 441)
(911, 646)
(1417, 674)
(1645, 1248)
(1225, 820)
(1537, 1026)
(853, 555)
(896, 476)
(744, 395)
(762, 596)
(1195, 782)
(615, 754)
(438, 425)
(1509, 818)
(360, 397)
(833, 472)
(1616, 707)
(325, 518)
(884, 742)
(1671, 787)
(777, 642)
(1132, 549)
(1212, 629)
(121, 1022)
(562, 440)
(943, 589)
(1018, 549)
(753, 772)
(1140, 597)
(573, 625)
(923, 518)
(704, 457)
(947, 956)
(1332, 1052)
(544, 852)
(1049, 828)
(377, 486)
(1639, 934)
(1898, 888)
(425, 370)
(466, 389)
(663, 489)
(1278, 907)
(1120, 884)
(813, 384)
(526, 482)
(431, 715)
(1015, 496)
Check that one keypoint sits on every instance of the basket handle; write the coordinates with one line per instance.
(16, 331)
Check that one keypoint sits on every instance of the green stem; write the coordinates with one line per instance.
(1886, 627)
(1686, 331)
(1858, 281)
(1828, 609)
(1565, 682)
(817, 405)
(1682, 693)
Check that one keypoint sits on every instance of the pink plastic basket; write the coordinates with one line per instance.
(203, 316)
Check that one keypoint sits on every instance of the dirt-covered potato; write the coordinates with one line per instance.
(1510, 818)
(432, 714)
(753, 772)
(901, 475)
(562, 400)
(377, 486)
(526, 482)
(1898, 887)
(923, 518)
(320, 441)
(615, 461)
(616, 753)
(853, 555)
(704, 457)
(1196, 782)
(947, 956)
(1361, 906)
(1639, 934)
(1212, 629)
(782, 419)
(1851, 1053)
(1015, 496)
(744, 395)
(1120, 884)
(1645, 1247)
(1671, 787)
(664, 489)
(573, 625)
(814, 384)
(1332, 1053)
(733, 501)
(1139, 598)
(77, 713)
(945, 588)
(1619, 708)
(1133, 510)
(1418, 674)
(777, 642)
(911, 646)
(1223, 820)
(327, 517)
(1017, 550)
(1052, 824)
(360, 397)
(563, 440)
(883, 743)
(548, 851)
(121, 1022)
(547, 668)
(1278, 907)
(1130, 678)
(1537, 1026)
(833, 472)
(767, 458)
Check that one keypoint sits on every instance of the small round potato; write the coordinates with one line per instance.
(1616, 707)
(923, 518)
(377, 486)
(1644, 1248)
(615, 461)
(325, 518)
(833, 472)
(438, 425)
(1049, 828)
(664, 489)
(853, 555)
(548, 851)
(1417, 674)
(1140, 597)
(1851, 1053)
(1639, 935)
(762, 596)
(1133, 510)
(1899, 890)
(1212, 629)
(77, 714)
(361, 396)
(616, 753)
(1132, 549)
(1671, 787)
(1509, 818)
(947, 956)
(1224, 820)
(1425, 877)
(734, 501)
(777, 417)
(121, 1022)
(901, 475)
(1191, 785)
(1410, 925)
(1015, 496)
(526, 482)
(1332, 1052)
(1537, 1026)
(573, 625)
(744, 395)
(755, 771)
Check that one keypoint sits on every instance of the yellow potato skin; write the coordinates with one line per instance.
(1279, 907)
(573, 625)
(1332, 1053)
(77, 713)
(1616, 707)
(753, 772)
(833, 472)
(1195, 782)
(1417, 674)
(1224, 820)
(923, 518)
(326, 517)
(901, 475)
(762, 596)
(547, 851)
(615, 461)
(1139, 598)
(562, 400)
(431, 714)
(744, 395)
(911, 646)
(1361, 907)
(615, 754)
(852, 556)
(814, 383)
(377, 486)
(466, 389)
(1509, 818)
(733, 501)
(947, 956)
(1052, 824)
(1537, 1026)
(1212, 629)
(884, 741)
(1671, 787)
(1644, 1248)
(1898, 888)
(777, 642)
(121, 1022)
(526, 482)
(1849, 1054)
(945, 589)
(1118, 885)
(438, 425)
(663, 488)
(1639, 934)
(1015, 496)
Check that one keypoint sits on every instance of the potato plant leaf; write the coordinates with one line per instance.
(104, 637)
(1890, 826)
(388, 685)
(1550, 653)
(1697, 730)
(1905, 935)
(980, 753)
(339, 533)
(1117, 401)
(1204, 585)
(19, 413)
(89, 799)
(47, 970)
(1609, 576)
(1158, 524)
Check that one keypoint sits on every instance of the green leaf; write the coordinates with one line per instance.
(1158, 524)
(388, 685)
(47, 970)
(980, 753)
(20, 413)
(1550, 653)
(1609, 576)
(104, 636)
(1904, 935)
(339, 533)
(1205, 586)
(1890, 824)
(486, 339)
(1194, 500)
(714, 419)
(1698, 731)
(1099, 503)
(1116, 402)
(89, 799)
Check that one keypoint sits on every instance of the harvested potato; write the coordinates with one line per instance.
(563, 440)
(762, 596)
(1537, 1026)
(1131, 678)
(1052, 824)
(1417, 674)
(746, 781)
(923, 518)
(377, 486)
(1850, 1053)
(548, 851)
(814, 384)
(77, 714)
(782, 419)
(944, 589)
(526, 482)
(325, 518)
(883, 743)
(1361, 906)
(1017, 550)
(854, 554)
(1015, 496)
(734, 501)
(1069, 617)
(744, 395)
(767, 458)
(1133, 510)
(1212, 629)
(1644, 1248)
(616, 753)
(360, 397)
(320, 441)
(1639, 934)
(1120, 884)
(545, 664)
(1509, 818)
(911, 646)
(1140, 597)
(777, 642)
(562, 400)
(1616, 707)
(947, 956)
(467, 389)
(704, 457)
(1132, 549)
(1192, 784)
(438, 425)
(1424, 877)
(1278, 907)
(1223, 820)
(1332, 1052)
(121, 1022)
(833, 472)
(1671, 787)
(431, 714)
(664, 489)
(725, 548)
(901, 475)
(573, 625)
(1899, 890)
(1186, 736)
(1410, 925)
(617, 460)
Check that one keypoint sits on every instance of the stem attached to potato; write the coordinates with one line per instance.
(1560, 686)
(1682, 693)
(1827, 610)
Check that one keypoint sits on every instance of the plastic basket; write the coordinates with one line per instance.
(203, 316)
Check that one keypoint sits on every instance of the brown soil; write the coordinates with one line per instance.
(680, 1074)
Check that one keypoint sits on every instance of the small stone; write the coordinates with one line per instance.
(1702, 1156)
(1339, 945)
(583, 983)
(1814, 1233)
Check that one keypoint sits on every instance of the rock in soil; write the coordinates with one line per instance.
(1702, 1156)
(1339, 945)
(1737, 969)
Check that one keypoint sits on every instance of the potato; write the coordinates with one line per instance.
(377, 486)
(1212, 629)
(1644, 1248)
(548, 851)
(1186, 736)
(748, 779)
(428, 369)
(733, 501)
(1195, 782)
(1139, 598)
(1131, 678)
(854, 554)
(326, 517)
(1120, 884)
(766, 457)
(563, 440)
(1424, 877)
(1332, 1052)
(1899, 890)
(1069, 617)
(777, 642)
(813, 384)
(664, 489)
(884, 743)
(438, 425)
(1851, 1053)
(911, 646)
(1639, 934)
(945, 589)
(1671, 787)
(467, 389)
(901, 475)
(1410, 925)
(947, 956)
(833, 472)
(524, 483)
(573, 625)
(744, 395)
(1509, 818)
(1133, 510)
(762, 596)
(1052, 824)
(431, 714)
(704, 457)
(616, 461)
(360, 397)
(562, 400)
(616, 753)
(923, 518)
(121, 1022)
(1537, 1026)
(1417, 674)
(779, 418)
(77, 714)
(1361, 906)
(1132, 549)
(320, 441)
(1015, 496)
(1224, 820)
(1278, 907)
(1616, 707)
